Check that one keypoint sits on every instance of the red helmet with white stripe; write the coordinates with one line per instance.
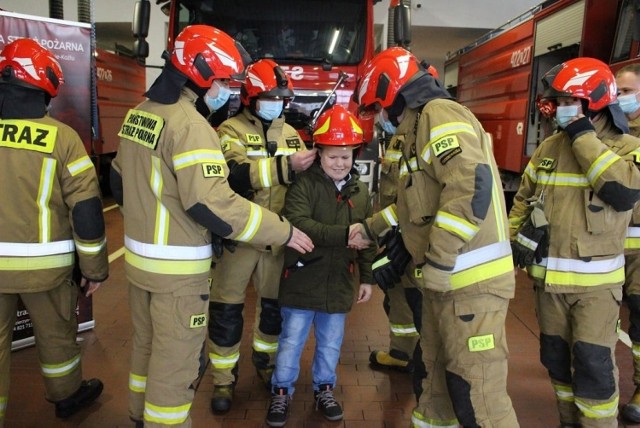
(265, 78)
(586, 78)
(204, 53)
(26, 63)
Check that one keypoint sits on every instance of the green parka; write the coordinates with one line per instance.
(324, 279)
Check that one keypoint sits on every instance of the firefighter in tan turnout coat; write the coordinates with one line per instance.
(452, 220)
(52, 209)
(170, 177)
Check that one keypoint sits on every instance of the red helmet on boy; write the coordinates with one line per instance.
(338, 127)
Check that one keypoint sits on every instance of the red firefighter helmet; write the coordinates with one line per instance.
(338, 127)
(203, 53)
(265, 78)
(586, 78)
(27, 63)
(384, 76)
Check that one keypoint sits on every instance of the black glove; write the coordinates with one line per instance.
(384, 273)
(531, 244)
(389, 265)
(219, 244)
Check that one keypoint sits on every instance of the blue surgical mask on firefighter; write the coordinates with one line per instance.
(386, 125)
(629, 103)
(564, 114)
(216, 103)
(270, 109)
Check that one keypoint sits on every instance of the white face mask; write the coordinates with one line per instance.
(629, 103)
(564, 114)
(270, 109)
(216, 103)
(386, 125)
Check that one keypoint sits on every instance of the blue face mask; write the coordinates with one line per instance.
(270, 109)
(386, 125)
(564, 114)
(629, 103)
(216, 103)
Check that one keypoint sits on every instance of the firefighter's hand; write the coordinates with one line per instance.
(299, 241)
(219, 244)
(531, 245)
(384, 273)
(89, 287)
(302, 160)
(435, 279)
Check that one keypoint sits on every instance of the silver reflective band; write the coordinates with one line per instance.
(167, 252)
(17, 249)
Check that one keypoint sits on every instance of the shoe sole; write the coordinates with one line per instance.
(334, 418)
(70, 411)
(276, 424)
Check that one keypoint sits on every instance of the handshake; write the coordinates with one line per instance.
(389, 265)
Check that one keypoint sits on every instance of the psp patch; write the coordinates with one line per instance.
(212, 170)
(481, 343)
(547, 164)
(253, 139)
(198, 321)
(445, 145)
(293, 143)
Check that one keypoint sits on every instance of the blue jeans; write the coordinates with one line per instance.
(329, 332)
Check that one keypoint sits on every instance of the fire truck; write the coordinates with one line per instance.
(323, 45)
(498, 76)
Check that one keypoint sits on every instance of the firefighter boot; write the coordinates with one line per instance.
(222, 398)
(631, 412)
(85, 395)
(395, 360)
(223, 394)
(264, 370)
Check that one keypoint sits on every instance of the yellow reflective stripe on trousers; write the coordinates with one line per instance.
(264, 170)
(601, 164)
(598, 411)
(166, 415)
(3, 406)
(262, 346)
(62, 369)
(224, 362)
(82, 164)
(137, 383)
(456, 225)
(403, 329)
(161, 233)
(167, 267)
(563, 392)
(252, 226)
(36, 263)
(47, 175)
(420, 421)
(482, 264)
(93, 248)
(635, 351)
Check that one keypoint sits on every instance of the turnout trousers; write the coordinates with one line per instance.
(578, 334)
(465, 353)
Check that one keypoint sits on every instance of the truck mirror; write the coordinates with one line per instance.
(140, 48)
(402, 25)
(141, 18)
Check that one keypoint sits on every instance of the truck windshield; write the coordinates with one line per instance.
(290, 32)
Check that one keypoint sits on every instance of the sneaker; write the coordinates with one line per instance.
(85, 395)
(390, 360)
(222, 398)
(278, 408)
(327, 404)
